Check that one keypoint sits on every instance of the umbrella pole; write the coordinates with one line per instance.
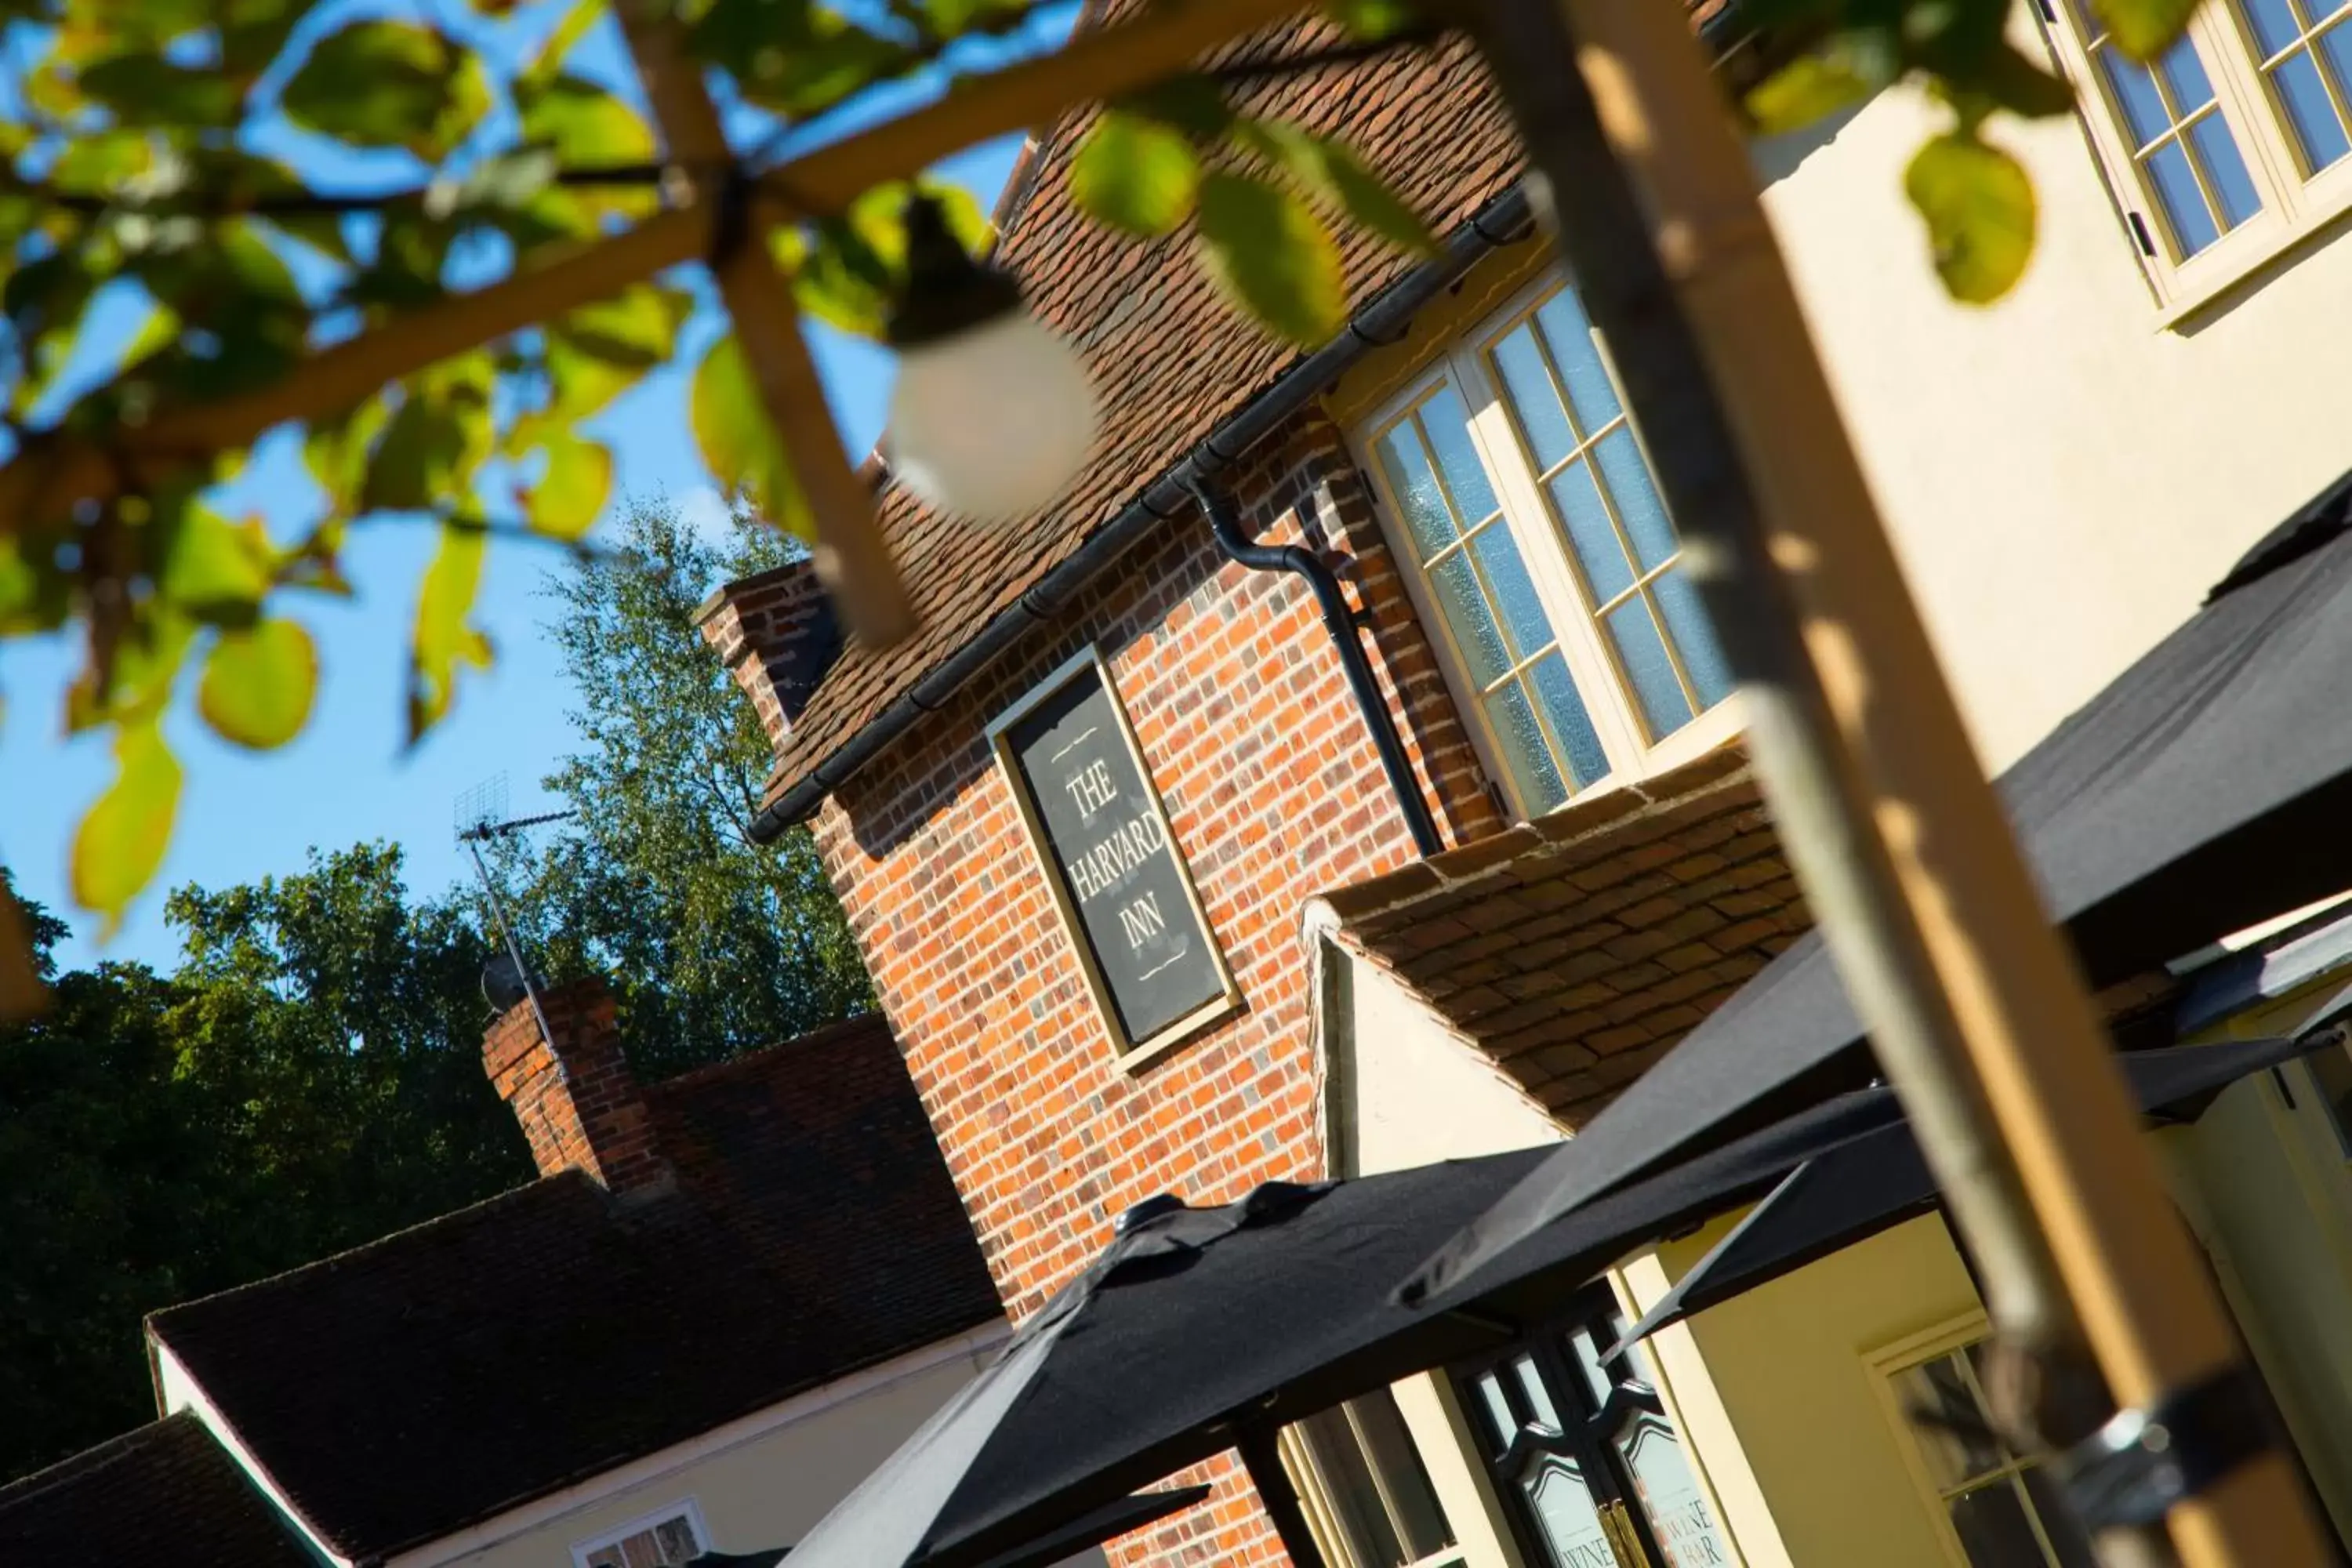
(1973, 1006)
(1261, 1457)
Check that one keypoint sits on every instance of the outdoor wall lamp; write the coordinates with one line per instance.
(991, 413)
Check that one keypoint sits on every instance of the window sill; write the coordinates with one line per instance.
(2185, 301)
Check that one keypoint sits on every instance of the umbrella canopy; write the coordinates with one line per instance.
(2203, 791)
(1197, 1328)
(1865, 1185)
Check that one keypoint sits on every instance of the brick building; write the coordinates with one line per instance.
(1567, 864)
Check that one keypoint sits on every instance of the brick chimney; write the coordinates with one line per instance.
(777, 636)
(579, 1104)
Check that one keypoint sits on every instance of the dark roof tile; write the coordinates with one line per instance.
(166, 1496)
(439, 1377)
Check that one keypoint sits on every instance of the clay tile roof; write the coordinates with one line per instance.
(166, 1496)
(1171, 360)
(1575, 949)
(442, 1374)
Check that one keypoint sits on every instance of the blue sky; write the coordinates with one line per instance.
(346, 779)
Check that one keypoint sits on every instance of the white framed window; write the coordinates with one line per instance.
(1523, 509)
(2233, 145)
(1999, 1507)
(1362, 1484)
(662, 1538)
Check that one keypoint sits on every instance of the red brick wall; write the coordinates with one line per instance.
(1273, 793)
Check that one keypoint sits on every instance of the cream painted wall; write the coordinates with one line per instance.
(765, 1491)
(1415, 1093)
(2065, 475)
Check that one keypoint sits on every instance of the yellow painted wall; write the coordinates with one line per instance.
(1779, 1374)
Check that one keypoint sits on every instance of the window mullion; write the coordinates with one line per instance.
(1545, 551)
(2246, 104)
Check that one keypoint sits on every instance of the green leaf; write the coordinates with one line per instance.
(569, 496)
(739, 445)
(2144, 29)
(121, 843)
(212, 568)
(414, 464)
(1134, 174)
(2017, 84)
(1192, 104)
(147, 89)
(585, 126)
(445, 637)
(336, 451)
(1809, 88)
(795, 59)
(1977, 201)
(258, 684)
(389, 84)
(1331, 170)
(1374, 19)
(1270, 254)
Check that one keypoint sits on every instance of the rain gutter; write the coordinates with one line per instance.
(1382, 320)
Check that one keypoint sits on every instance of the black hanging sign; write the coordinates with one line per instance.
(1098, 824)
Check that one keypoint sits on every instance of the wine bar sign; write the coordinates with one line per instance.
(1121, 885)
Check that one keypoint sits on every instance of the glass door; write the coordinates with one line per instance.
(1592, 1472)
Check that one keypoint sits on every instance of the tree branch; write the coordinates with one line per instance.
(52, 471)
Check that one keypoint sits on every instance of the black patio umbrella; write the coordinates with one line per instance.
(2203, 791)
(1872, 1182)
(1199, 1330)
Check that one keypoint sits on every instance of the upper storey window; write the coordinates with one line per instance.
(2233, 145)
(1519, 491)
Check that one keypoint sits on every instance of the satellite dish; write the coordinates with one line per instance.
(504, 986)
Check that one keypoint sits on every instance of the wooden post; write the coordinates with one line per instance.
(1972, 1004)
(851, 558)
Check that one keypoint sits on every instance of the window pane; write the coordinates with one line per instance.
(1569, 335)
(1587, 1361)
(2183, 202)
(2320, 10)
(2318, 134)
(1589, 532)
(1515, 592)
(2057, 1524)
(1524, 752)
(1465, 608)
(1687, 622)
(1993, 1528)
(1950, 1425)
(2184, 73)
(605, 1557)
(1415, 484)
(1571, 725)
(2143, 105)
(2272, 23)
(1542, 421)
(1449, 432)
(2335, 45)
(1570, 1525)
(676, 1538)
(1354, 1495)
(1501, 1424)
(1539, 1398)
(1644, 515)
(1643, 655)
(2225, 171)
(1413, 1511)
(1679, 1518)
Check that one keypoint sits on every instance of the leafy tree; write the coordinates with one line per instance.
(713, 944)
(312, 1079)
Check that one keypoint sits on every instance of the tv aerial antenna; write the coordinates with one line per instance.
(480, 816)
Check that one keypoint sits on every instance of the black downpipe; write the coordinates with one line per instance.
(1340, 622)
